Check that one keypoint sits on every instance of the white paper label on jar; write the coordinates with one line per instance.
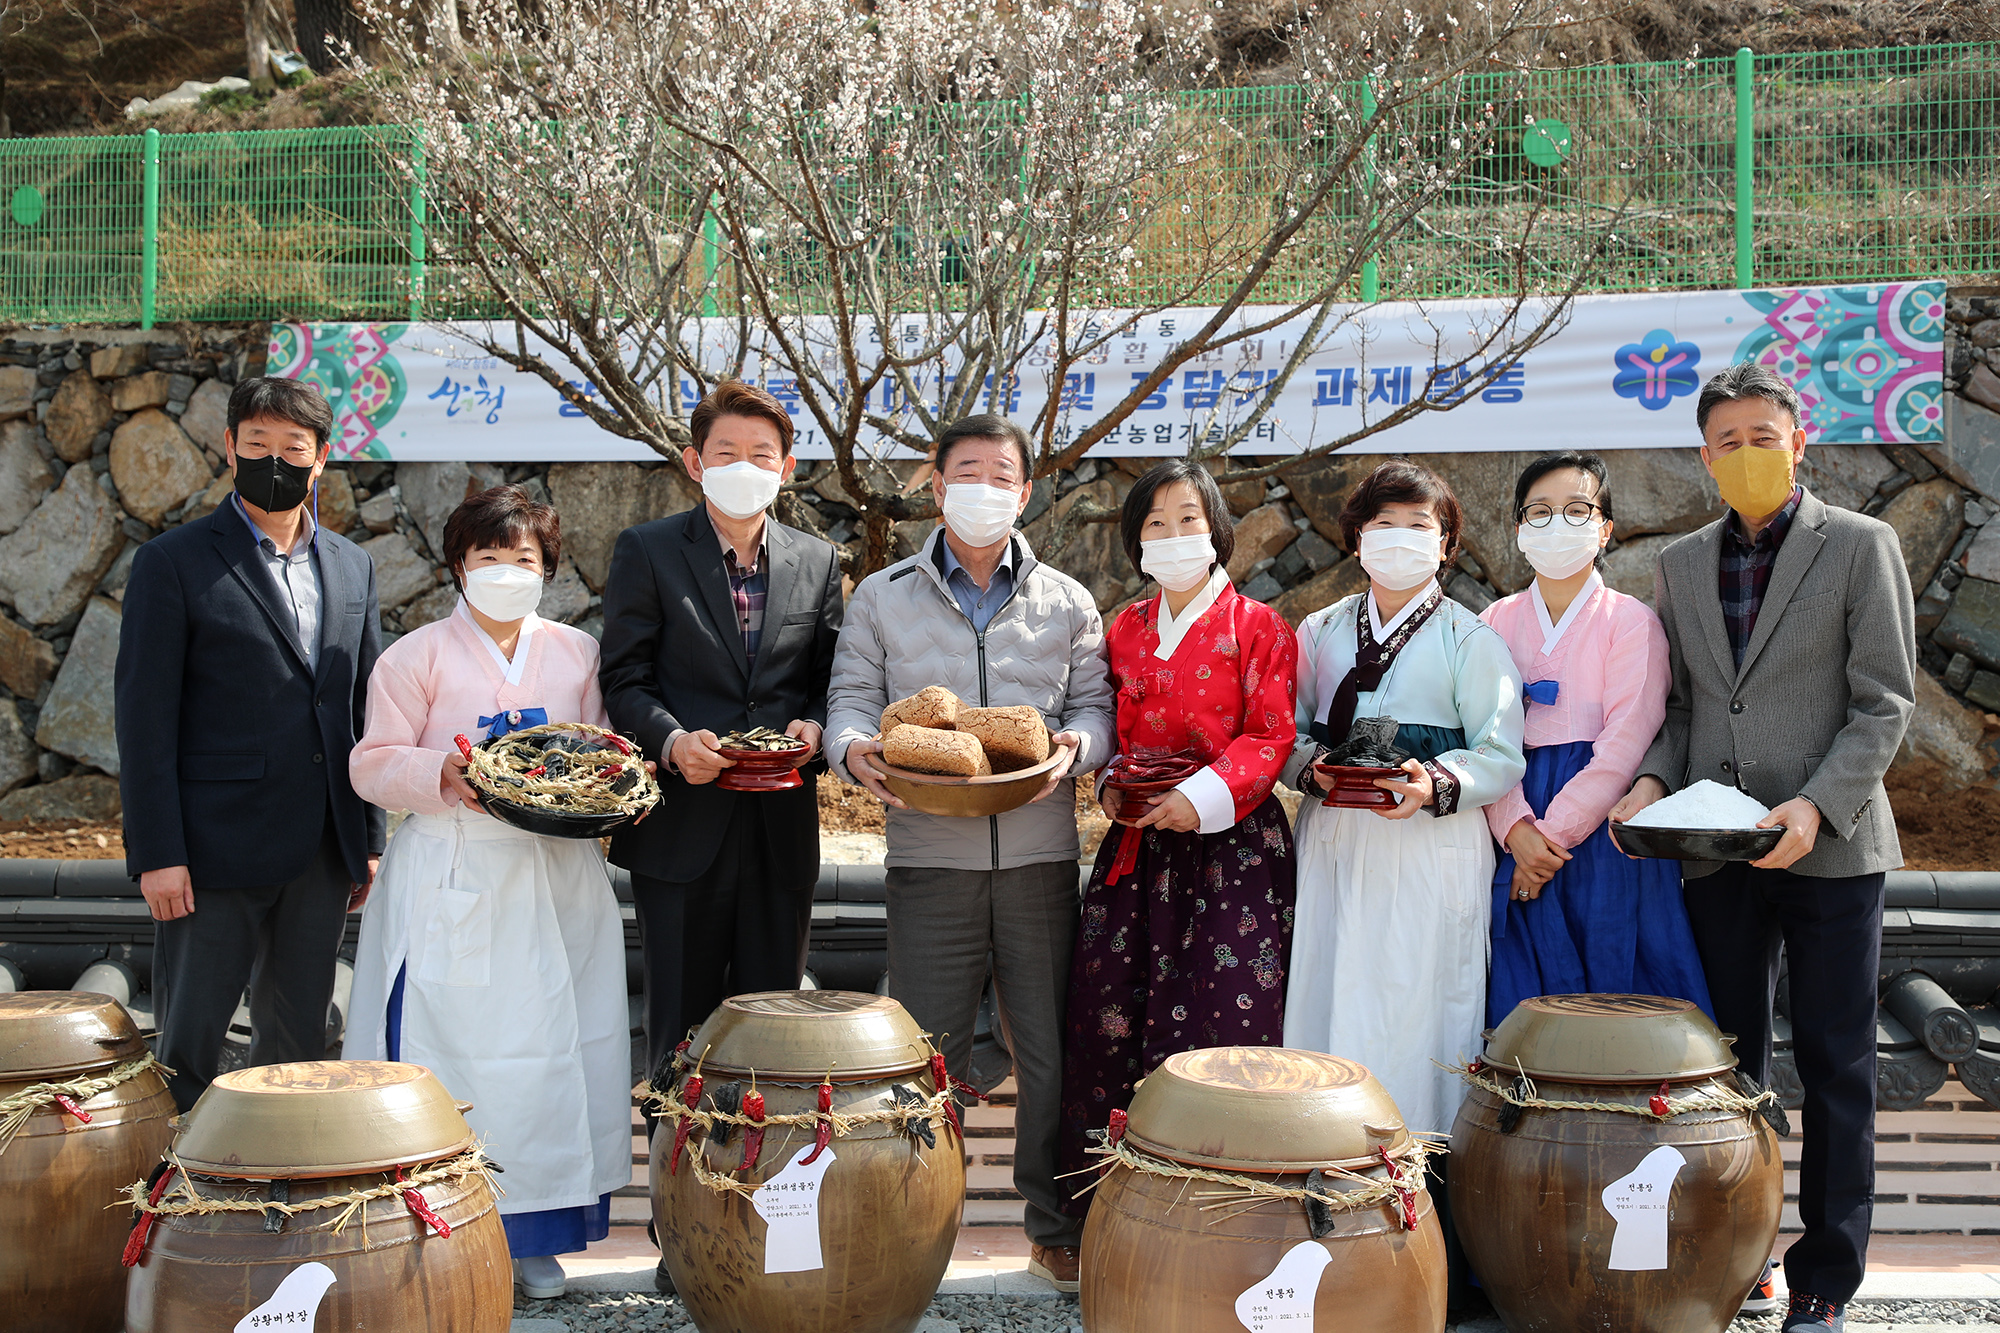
(1283, 1302)
(789, 1204)
(293, 1305)
(1638, 1204)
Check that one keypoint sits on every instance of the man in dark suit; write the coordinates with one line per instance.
(1793, 646)
(243, 663)
(716, 620)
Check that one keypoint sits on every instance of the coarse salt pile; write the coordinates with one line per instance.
(1705, 805)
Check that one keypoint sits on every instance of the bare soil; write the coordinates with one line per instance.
(61, 842)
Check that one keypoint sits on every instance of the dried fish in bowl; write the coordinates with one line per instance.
(762, 739)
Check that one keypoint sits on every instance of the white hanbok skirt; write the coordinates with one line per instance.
(1389, 949)
(514, 958)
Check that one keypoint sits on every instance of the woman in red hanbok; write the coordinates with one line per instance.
(1187, 919)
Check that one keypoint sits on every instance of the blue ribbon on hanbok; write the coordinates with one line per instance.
(1540, 691)
(513, 719)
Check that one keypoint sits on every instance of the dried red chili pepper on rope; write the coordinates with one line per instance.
(753, 1135)
(823, 1131)
(1657, 1104)
(464, 745)
(142, 1225)
(1116, 1129)
(944, 1082)
(1406, 1198)
(414, 1201)
(71, 1108)
(690, 1098)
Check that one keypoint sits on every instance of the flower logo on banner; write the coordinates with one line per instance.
(1656, 370)
(354, 366)
(1868, 362)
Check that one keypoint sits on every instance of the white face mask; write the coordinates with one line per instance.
(1400, 558)
(980, 515)
(1179, 563)
(1559, 550)
(740, 490)
(503, 592)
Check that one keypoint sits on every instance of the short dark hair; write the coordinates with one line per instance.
(1400, 481)
(1746, 379)
(1548, 463)
(295, 401)
(985, 426)
(734, 398)
(500, 517)
(1139, 504)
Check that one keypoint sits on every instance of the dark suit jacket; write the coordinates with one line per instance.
(673, 660)
(1826, 687)
(231, 751)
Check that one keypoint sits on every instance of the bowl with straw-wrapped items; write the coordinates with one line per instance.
(944, 757)
(561, 779)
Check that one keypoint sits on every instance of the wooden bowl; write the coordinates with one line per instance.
(763, 770)
(1354, 787)
(966, 798)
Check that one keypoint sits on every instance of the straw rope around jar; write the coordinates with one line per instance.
(1406, 1173)
(183, 1199)
(934, 1110)
(512, 769)
(69, 1095)
(1522, 1093)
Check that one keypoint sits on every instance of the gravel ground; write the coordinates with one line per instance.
(1010, 1314)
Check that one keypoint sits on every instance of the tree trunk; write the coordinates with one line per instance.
(267, 32)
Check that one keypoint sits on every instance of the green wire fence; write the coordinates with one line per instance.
(1828, 166)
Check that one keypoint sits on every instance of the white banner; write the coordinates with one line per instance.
(1621, 374)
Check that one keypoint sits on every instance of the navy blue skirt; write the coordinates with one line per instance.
(1605, 924)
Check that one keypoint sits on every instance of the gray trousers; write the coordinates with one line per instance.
(942, 926)
(280, 941)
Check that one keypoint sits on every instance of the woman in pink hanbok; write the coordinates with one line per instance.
(492, 956)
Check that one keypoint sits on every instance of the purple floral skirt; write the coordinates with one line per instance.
(1187, 951)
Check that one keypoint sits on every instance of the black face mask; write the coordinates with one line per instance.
(272, 484)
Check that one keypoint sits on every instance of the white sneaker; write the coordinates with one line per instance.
(540, 1276)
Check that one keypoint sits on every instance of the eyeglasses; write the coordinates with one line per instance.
(1577, 513)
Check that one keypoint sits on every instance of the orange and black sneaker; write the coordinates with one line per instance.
(1763, 1298)
(1809, 1314)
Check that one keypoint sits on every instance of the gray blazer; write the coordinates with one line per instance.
(1826, 688)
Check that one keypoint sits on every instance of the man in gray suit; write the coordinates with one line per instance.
(1793, 652)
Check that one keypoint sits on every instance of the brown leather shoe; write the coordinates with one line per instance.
(1058, 1265)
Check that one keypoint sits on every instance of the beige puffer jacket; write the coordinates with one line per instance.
(1044, 646)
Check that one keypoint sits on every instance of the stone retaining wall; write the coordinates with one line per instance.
(110, 436)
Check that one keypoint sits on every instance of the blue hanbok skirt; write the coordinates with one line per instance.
(1605, 924)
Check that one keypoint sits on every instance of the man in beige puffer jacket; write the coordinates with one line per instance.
(975, 612)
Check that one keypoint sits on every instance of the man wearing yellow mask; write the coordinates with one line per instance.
(1793, 650)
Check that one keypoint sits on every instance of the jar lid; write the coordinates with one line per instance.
(1609, 1039)
(47, 1033)
(316, 1118)
(802, 1034)
(1264, 1109)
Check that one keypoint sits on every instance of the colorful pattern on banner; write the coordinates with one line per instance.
(1620, 374)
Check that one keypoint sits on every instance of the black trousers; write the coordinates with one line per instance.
(280, 941)
(1831, 930)
(733, 929)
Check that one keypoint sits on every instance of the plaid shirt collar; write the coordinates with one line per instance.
(1772, 535)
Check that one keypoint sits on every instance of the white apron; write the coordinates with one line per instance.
(1389, 947)
(515, 997)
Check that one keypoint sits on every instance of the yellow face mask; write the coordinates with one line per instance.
(1754, 481)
